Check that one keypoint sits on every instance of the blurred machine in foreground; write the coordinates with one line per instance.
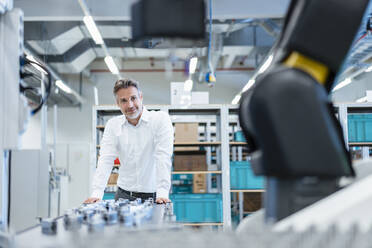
(288, 120)
(106, 219)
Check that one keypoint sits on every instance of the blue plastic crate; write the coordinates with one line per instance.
(239, 136)
(182, 177)
(242, 176)
(182, 189)
(196, 208)
(360, 127)
(108, 196)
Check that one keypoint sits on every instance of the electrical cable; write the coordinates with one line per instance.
(210, 35)
(23, 88)
(48, 86)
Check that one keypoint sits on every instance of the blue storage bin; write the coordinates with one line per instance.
(108, 196)
(182, 180)
(182, 189)
(360, 127)
(182, 177)
(242, 176)
(196, 208)
(239, 136)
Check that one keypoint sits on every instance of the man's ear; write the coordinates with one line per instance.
(140, 95)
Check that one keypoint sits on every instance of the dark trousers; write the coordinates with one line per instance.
(131, 196)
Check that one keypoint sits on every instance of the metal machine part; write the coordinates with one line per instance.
(96, 223)
(332, 237)
(72, 220)
(49, 226)
(346, 208)
(102, 219)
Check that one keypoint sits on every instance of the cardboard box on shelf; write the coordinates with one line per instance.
(199, 184)
(189, 161)
(113, 178)
(252, 201)
(186, 132)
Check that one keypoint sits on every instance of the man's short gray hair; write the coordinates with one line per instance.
(124, 84)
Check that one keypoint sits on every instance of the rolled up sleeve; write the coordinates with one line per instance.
(108, 153)
(163, 155)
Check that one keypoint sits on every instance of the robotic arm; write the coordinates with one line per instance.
(287, 118)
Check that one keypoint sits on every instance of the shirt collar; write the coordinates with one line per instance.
(144, 117)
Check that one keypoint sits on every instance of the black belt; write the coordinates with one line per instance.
(138, 194)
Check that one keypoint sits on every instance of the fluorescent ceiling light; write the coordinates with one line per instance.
(249, 85)
(362, 99)
(31, 58)
(342, 84)
(193, 64)
(63, 86)
(369, 69)
(188, 85)
(266, 64)
(111, 65)
(93, 30)
(236, 99)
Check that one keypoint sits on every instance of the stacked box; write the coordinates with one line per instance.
(186, 132)
(199, 184)
(190, 161)
(252, 202)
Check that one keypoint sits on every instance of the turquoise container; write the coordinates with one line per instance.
(108, 196)
(242, 176)
(184, 189)
(359, 127)
(182, 177)
(197, 208)
(239, 136)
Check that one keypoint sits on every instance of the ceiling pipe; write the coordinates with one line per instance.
(55, 75)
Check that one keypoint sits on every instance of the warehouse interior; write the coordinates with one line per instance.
(269, 103)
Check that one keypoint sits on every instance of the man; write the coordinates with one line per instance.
(143, 141)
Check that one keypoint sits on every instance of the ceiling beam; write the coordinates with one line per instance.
(69, 10)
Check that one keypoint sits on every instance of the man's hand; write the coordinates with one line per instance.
(91, 200)
(162, 200)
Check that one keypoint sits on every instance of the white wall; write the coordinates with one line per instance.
(355, 90)
(156, 87)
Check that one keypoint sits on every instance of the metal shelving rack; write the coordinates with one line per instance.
(209, 116)
(343, 109)
(236, 150)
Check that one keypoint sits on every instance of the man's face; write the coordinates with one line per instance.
(129, 101)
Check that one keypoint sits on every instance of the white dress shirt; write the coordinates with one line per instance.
(144, 151)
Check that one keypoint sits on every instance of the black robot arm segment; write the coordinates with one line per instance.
(323, 31)
(293, 126)
(286, 116)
